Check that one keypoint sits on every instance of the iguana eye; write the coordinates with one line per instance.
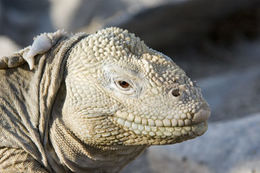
(126, 87)
(123, 84)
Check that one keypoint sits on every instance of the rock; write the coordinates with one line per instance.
(160, 22)
(235, 91)
(24, 19)
(92, 15)
(139, 165)
(155, 162)
(230, 147)
(84, 13)
(168, 164)
(1, 17)
(251, 166)
(233, 95)
(7, 46)
(177, 25)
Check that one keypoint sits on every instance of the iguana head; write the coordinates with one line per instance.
(121, 92)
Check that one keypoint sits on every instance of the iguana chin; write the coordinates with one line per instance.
(92, 103)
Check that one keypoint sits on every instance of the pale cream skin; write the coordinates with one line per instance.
(145, 93)
(119, 97)
(140, 95)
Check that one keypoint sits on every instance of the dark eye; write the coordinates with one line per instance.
(176, 92)
(123, 84)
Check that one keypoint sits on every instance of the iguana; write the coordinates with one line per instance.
(92, 103)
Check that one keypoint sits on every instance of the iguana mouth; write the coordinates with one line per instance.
(191, 124)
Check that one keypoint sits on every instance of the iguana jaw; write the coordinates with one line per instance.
(167, 130)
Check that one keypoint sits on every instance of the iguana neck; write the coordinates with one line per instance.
(76, 156)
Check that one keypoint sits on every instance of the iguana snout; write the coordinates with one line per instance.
(202, 115)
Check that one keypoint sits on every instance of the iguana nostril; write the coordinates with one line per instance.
(176, 92)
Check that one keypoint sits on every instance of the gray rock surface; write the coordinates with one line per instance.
(7, 46)
(155, 162)
(1, 16)
(233, 95)
(227, 147)
(91, 15)
(188, 22)
(23, 19)
(235, 91)
(84, 13)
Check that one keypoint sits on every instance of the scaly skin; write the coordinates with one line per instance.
(155, 103)
(117, 97)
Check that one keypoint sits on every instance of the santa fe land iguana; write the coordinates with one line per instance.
(92, 103)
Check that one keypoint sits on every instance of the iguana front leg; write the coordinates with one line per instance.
(16, 160)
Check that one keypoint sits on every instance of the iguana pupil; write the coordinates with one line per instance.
(123, 84)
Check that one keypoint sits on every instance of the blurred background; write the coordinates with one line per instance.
(215, 41)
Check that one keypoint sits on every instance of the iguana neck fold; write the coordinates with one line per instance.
(80, 157)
